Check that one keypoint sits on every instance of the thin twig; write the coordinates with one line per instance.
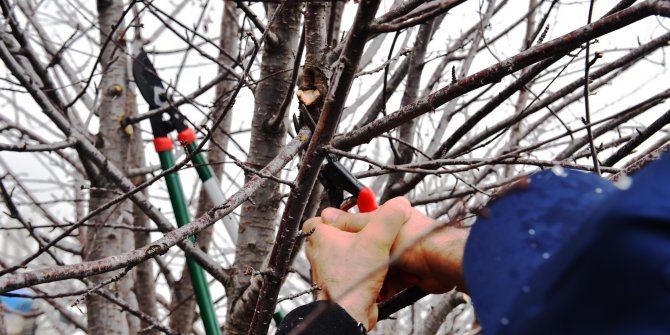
(272, 38)
(587, 93)
(299, 294)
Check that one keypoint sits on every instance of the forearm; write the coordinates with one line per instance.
(444, 257)
(434, 256)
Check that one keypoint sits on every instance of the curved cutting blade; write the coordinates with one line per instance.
(147, 80)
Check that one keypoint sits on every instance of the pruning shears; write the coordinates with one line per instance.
(336, 179)
(152, 89)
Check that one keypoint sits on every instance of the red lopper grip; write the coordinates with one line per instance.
(186, 136)
(366, 200)
(162, 144)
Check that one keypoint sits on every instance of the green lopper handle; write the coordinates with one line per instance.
(196, 273)
(212, 187)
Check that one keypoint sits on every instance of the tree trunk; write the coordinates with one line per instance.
(258, 217)
(103, 316)
(144, 287)
(334, 20)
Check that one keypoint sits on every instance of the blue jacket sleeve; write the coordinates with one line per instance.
(572, 254)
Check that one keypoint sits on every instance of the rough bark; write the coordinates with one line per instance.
(183, 302)
(485, 139)
(144, 287)
(112, 141)
(317, 16)
(258, 217)
(441, 306)
(343, 76)
(160, 246)
(316, 74)
(334, 13)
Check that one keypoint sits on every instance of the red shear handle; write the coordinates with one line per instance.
(366, 200)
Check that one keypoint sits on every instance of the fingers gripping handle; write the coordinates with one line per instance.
(367, 203)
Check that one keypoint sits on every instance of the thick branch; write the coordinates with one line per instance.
(342, 78)
(89, 150)
(637, 140)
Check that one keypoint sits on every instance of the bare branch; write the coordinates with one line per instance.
(494, 73)
(14, 281)
(25, 147)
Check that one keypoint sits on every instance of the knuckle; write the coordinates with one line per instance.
(401, 207)
(310, 224)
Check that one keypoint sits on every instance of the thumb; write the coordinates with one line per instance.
(343, 220)
(386, 222)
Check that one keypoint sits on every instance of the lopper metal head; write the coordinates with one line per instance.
(152, 90)
(148, 81)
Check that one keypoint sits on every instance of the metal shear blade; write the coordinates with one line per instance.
(147, 80)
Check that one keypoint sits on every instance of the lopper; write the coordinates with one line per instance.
(152, 89)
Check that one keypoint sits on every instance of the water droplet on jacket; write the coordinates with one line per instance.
(666, 275)
(624, 182)
(559, 171)
(525, 289)
(504, 321)
(531, 231)
(599, 190)
(546, 255)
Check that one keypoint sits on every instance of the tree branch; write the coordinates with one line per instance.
(25, 147)
(128, 259)
(494, 73)
(334, 104)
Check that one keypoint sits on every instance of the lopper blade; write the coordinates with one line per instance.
(147, 80)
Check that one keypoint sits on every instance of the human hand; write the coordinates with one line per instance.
(349, 266)
(433, 255)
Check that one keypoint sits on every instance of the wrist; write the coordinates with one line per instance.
(356, 306)
(444, 256)
(359, 311)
